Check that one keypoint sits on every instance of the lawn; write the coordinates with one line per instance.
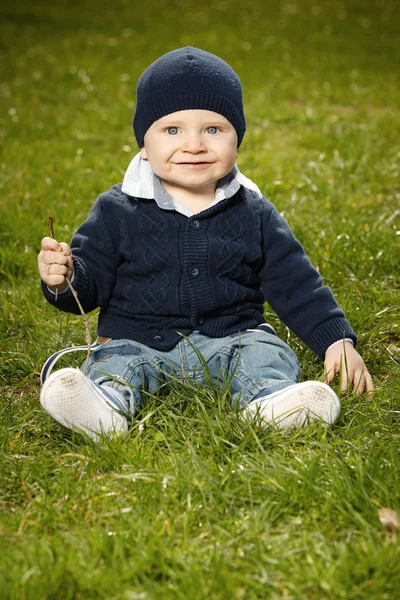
(195, 503)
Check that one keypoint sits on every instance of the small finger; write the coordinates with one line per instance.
(331, 376)
(54, 280)
(56, 275)
(330, 372)
(49, 243)
(369, 383)
(344, 384)
(359, 382)
(57, 269)
(65, 249)
(53, 257)
(45, 267)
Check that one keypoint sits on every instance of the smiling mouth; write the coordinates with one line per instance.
(195, 165)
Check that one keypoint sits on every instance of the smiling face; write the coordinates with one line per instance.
(191, 150)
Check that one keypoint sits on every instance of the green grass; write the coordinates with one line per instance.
(195, 503)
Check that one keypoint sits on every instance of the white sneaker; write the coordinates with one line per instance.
(298, 404)
(77, 403)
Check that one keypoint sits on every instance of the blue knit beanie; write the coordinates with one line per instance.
(188, 78)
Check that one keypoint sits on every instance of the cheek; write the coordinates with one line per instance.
(227, 151)
(162, 151)
(231, 156)
(153, 154)
(158, 162)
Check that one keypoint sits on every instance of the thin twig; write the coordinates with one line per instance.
(50, 224)
(88, 337)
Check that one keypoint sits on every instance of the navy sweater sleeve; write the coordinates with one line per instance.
(294, 289)
(96, 258)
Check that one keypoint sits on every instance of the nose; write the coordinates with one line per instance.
(193, 143)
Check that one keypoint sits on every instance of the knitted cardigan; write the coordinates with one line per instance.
(156, 274)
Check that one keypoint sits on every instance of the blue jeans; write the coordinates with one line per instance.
(255, 362)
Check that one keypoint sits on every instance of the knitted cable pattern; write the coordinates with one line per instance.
(231, 257)
(154, 252)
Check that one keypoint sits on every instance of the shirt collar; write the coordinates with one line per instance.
(141, 182)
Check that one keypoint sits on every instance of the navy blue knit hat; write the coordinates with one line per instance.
(188, 78)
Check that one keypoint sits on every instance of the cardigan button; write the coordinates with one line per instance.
(195, 224)
(194, 271)
(158, 338)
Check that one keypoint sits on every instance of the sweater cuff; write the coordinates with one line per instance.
(328, 333)
(340, 342)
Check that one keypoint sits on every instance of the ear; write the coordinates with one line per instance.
(143, 153)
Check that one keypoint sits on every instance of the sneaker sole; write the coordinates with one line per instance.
(297, 405)
(68, 396)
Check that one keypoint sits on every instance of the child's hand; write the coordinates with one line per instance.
(343, 358)
(55, 263)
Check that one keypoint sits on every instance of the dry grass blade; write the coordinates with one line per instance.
(389, 519)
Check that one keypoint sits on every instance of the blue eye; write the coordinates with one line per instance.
(212, 130)
(172, 130)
